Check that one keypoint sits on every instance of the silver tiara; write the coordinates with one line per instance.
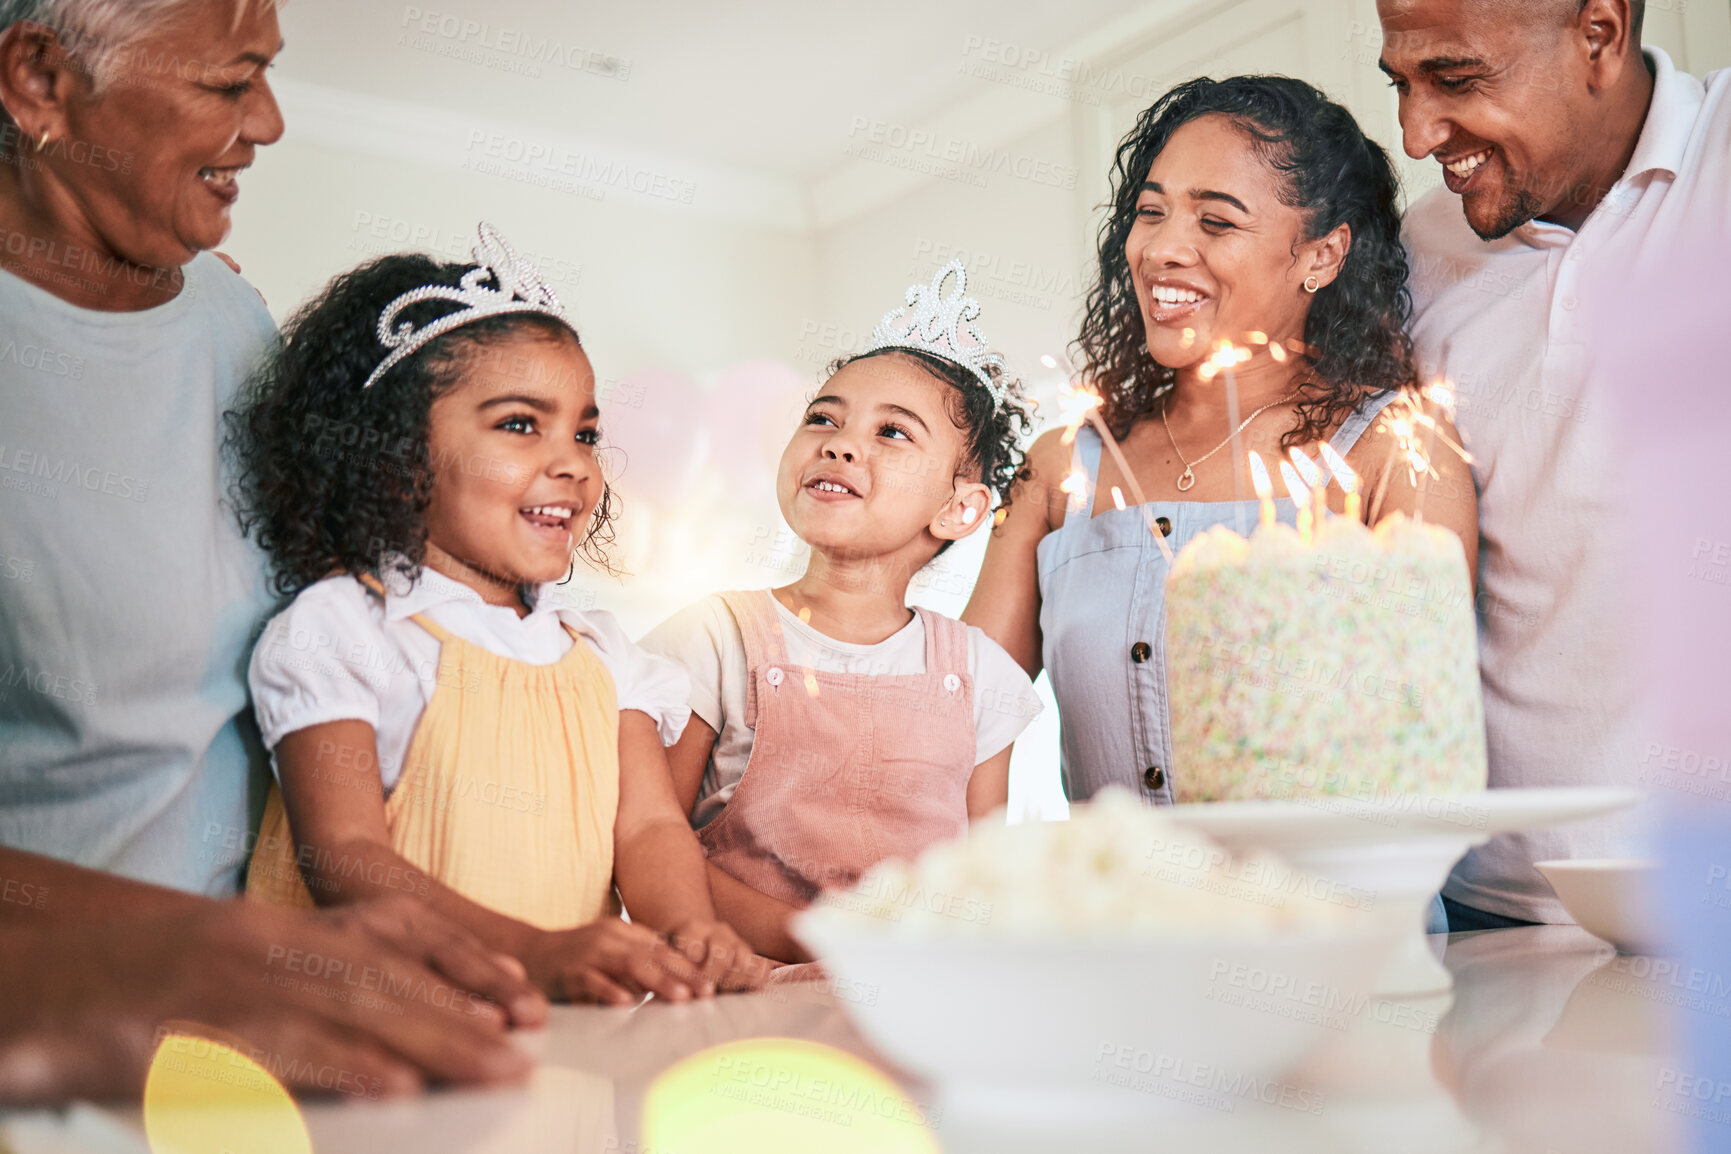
(942, 326)
(517, 288)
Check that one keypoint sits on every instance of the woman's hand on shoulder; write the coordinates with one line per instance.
(1048, 461)
(1006, 601)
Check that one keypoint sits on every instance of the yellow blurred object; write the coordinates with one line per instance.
(202, 1097)
(782, 1096)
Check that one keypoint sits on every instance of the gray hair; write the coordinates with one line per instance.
(94, 32)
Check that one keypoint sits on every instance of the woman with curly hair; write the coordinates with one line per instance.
(1247, 205)
(833, 725)
(441, 721)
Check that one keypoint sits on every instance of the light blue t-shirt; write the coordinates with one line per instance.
(128, 597)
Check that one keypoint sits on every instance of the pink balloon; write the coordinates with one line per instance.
(654, 419)
(754, 408)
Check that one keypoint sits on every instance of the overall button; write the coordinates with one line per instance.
(1140, 652)
(952, 682)
(773, 676)
(1154, 777)
(1165, 524)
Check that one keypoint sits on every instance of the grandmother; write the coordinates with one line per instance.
(1251, 204)
(130, 599)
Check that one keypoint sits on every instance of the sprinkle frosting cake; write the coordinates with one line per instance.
(1343, 665)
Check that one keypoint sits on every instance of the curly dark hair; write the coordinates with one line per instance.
(330, 477)
(1357, 327)
(994, 433)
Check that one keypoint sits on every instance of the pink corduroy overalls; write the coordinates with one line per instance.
(846, 770)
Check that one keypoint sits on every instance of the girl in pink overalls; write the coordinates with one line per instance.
(832, 725)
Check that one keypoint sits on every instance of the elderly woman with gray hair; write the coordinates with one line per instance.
(128, 598)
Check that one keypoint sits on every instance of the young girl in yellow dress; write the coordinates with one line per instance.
(418, 460)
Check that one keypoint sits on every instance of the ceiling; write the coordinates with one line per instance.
(771, 87)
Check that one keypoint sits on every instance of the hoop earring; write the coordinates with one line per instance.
(43, 142)
(1311, 284)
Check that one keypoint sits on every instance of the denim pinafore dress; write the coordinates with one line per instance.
(1103, 624)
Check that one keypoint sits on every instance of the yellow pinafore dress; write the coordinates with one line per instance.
(508, 791)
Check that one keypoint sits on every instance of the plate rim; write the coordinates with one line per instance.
(1504, 811)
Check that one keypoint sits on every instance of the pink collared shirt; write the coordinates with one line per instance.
(1504, 321)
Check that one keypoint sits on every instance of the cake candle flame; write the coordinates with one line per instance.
(1347, 478)
(1264, 488)
(1312, 477)
(1300, 496)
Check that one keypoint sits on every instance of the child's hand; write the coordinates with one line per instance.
(612, 962)
(402, 923)
(727, 962)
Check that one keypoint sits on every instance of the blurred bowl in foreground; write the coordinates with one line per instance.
(1610, 898)
(1206, 1019)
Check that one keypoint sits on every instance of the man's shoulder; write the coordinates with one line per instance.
(1436, 223)
(1715, 119)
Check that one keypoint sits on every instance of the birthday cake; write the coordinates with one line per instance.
(1343, 662)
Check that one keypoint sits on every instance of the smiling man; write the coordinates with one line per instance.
(1569, 157)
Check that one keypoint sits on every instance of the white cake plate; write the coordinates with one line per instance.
(1400, 850)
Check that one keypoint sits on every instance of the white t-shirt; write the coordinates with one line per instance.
(704, 639)
(1503, 319)
(128, 597)
(340, 653)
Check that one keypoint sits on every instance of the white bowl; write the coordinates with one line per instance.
(1048, 1016)
(1610, 898)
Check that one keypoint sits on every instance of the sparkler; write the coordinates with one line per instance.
(1409, 420)
(1227, 357)
(1077, 404)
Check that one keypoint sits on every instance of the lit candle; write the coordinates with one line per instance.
(1312, 477)
(1264, 488)
(1347, 478)
(1300, 496)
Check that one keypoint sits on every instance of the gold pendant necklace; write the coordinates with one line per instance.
(1187, 479)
